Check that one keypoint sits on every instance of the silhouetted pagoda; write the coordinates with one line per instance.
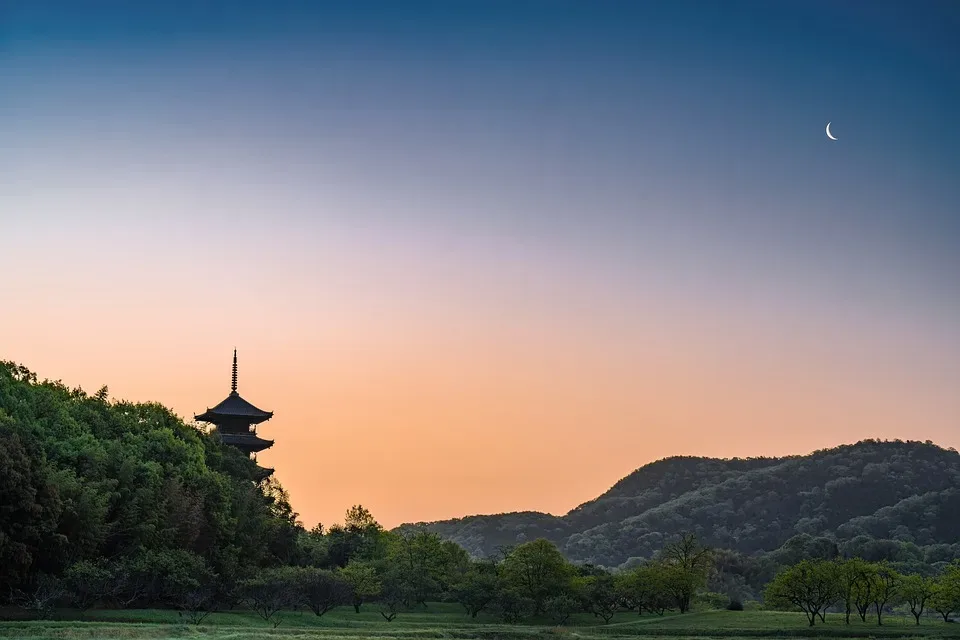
(236, 420)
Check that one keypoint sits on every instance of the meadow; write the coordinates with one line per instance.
(447, 621)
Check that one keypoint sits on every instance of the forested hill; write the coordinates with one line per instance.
(903, 491)
(85, 481)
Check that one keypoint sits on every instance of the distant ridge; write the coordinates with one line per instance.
(907, 491)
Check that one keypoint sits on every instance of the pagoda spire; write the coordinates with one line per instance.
(233, 383)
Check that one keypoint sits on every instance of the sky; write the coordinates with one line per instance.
(481, 257)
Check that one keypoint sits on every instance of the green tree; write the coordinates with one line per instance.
(536, 570)
(88, 582)
(808, 586)
(850, 574)
(321, 589)
(395, 594)
(560, 608)
(644, 587)
(31, 506)
(270, 592)
(364, 583)
(887, 588)
(512, 606)
(864, 589)
(946, 594)
(360, 538)
(601, 596)
(686, 566)
(421, 561)
(477, 589)
(916, 591)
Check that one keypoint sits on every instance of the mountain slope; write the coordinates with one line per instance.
(904, 490)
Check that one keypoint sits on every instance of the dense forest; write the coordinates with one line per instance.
(898, 500)
(121, 505)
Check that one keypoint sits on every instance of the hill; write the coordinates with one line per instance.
(903, 491)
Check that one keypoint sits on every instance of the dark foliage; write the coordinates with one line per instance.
(124, 502)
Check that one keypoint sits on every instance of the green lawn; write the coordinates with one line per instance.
(448, 622)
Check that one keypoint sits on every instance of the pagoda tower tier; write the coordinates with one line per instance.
(235, 420)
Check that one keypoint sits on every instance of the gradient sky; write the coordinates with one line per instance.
(490, 256)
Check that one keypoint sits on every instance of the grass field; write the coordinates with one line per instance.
(444, 621)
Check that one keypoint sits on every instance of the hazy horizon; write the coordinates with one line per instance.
(482, 257)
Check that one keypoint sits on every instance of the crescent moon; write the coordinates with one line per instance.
(829, 135)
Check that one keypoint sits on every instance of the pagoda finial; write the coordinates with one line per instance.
(233, 384)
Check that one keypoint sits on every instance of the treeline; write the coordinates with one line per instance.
(360, 563)
(855, 586)
(743, 576)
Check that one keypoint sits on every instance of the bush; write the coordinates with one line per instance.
(735, 605)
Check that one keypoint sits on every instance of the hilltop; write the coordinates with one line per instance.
(903, 491)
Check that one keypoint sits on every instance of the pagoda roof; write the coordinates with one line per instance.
(245, 441)
(234, 407)
(263, 473)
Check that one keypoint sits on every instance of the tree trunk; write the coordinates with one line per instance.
(917, 614)
(356, 607)
(879, 613)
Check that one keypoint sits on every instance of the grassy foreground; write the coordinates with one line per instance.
(442, 621)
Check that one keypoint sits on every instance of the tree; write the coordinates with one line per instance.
(946, 594)
(808, 586)
(601, 596)
(198, 602)
(688, 554)
(363, 581)
(40, 596)
(536, 570)
(270, 592)
(321, 590)
(477, 589)
(312, 548)
(686, 565)
(361, 537)
(916, 591)
(561, 607)
(31, 506)
(850, 574)
(644, 587)
(359, 520)
(395, 595)
(511, 606)
(864, 589)
(88, 582)
(888, 584)
(421, 560)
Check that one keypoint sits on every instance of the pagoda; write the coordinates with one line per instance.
(235, 420)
